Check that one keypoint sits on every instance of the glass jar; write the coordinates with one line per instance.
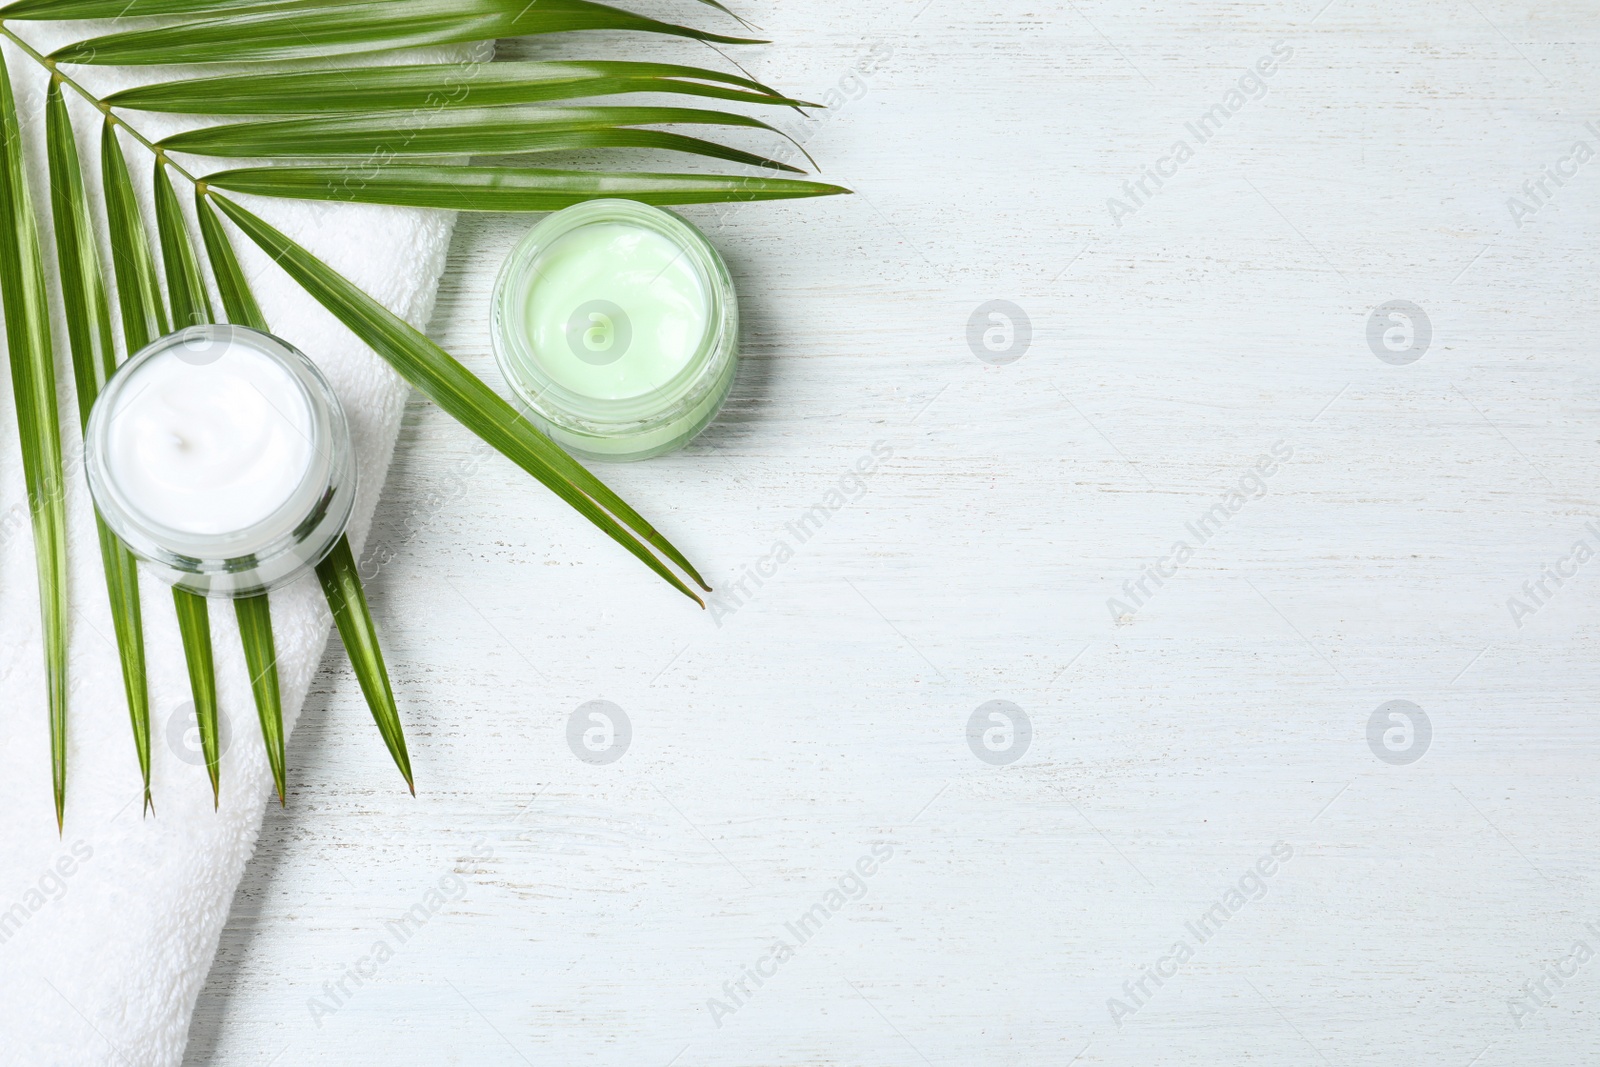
(221, 455)
(617, 325)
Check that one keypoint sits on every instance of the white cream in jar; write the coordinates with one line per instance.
(222, 454)
(212, 442)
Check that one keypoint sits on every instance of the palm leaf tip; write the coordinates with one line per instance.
(438, 87)
(194, 625)
(347, 598)
(481, 131)
(261, 657)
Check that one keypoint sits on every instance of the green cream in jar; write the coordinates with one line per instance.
(617, 325)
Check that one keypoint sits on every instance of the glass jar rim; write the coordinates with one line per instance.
(304, 509)
(698, 377)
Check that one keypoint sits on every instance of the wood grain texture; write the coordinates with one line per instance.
(586, 914)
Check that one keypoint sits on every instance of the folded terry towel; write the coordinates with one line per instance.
(106, 932)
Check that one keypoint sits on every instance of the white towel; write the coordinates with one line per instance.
(106, 932)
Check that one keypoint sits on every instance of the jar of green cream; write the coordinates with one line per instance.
(617, 325)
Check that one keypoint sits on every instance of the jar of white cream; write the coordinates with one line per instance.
(221, 455)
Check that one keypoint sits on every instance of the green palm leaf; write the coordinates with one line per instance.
(435, 86)
(138, 293)
(503, 188)
(186, 287)
(312, 29)
(600, 137)
(110, 9)
(33, 383)
(476, 131)
(191, 303)
(451, 386)
(94, 358)
(660, 140)
(261, 658)
(82, 284)
(238, 302)
(194, 625)
(341, 584)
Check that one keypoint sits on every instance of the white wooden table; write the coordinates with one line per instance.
(573, 912)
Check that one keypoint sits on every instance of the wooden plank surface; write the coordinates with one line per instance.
(1202, 767)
